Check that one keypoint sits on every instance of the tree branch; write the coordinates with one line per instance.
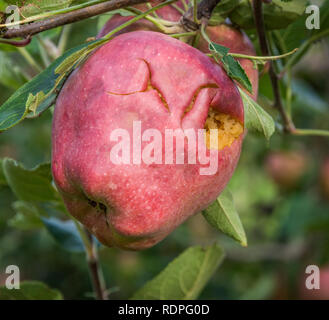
(95, 269)
(18, 43)
(67, 18)
(205, 8)
(260, 26)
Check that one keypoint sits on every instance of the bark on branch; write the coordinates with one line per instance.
(205, 8)
(67, 18)
(260, 26)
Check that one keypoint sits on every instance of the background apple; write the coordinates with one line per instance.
(238, 42)
(286, 168)
(168, 13)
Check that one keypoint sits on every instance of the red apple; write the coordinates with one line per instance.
(168, 13)
(286, 168)
(223, 34)
(238, 42)
(165, 84)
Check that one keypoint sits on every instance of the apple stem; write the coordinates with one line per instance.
(163, 25)
(263, 58)
(195, 12)
(149, 6)
(181, 11)
(260, 59)
(185, 5)
(183, 34)
(310, 132)
(206, 37)
(137, 18)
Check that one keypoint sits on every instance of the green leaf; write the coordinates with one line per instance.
(30, 184)
(185, 277)
(232, 66)
(103, 18)
(219, 49)
(324, 18)
(65, 234)
(40, 103)
(68, 63)
(293, 6)
(222, 10)
(40, 204)
(222, 215)
(15, 109)
(256, 118)
(33, 102)
(236, 72)
(277, 14)
(295, 34)
(3, 5)
(72, 60)
(27, 216)
(30, 290)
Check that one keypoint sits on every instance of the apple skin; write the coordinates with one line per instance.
(223, 34)
(167, 13)
(143, 203)
(238, 42)
(286, 168)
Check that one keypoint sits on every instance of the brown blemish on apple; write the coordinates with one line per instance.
(92, 203)
(100, 208)
(229, 129)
